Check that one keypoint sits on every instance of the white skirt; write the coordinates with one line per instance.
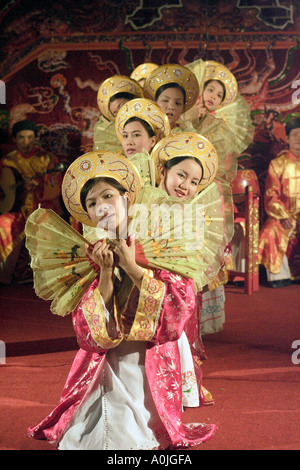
(119, 412)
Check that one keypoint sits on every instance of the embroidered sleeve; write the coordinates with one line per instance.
(92, 324)
(178, 309)
(166, 304)
(148, 310)
(273, 203)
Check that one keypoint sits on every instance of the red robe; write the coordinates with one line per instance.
(157, 315)
(282, 200)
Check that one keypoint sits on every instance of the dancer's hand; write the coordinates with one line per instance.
(126, 256)
(201, 110)
(102, 254)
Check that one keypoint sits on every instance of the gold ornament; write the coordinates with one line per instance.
(113, 85)
(187, 144)
(142, 70)
(147, 110)
(93, 165)
(173, 73)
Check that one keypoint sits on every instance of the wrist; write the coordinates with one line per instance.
(106, 270)
(136, 275)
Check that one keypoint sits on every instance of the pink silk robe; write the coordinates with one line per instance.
(158, 314)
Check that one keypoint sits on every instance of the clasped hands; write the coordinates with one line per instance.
(105, 256)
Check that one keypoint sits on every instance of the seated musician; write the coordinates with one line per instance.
(279, 240)
(23, 186)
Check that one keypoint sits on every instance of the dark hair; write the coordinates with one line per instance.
(170, 85)
(174, 161)
(292, 124)
(25, 125)
(123, 94)
(144, 123)
(219, 81)
(88, 185)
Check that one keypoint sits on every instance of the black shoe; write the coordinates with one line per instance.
(281, 283)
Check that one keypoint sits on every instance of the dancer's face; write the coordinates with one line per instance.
(106, 207)
(171, 102)
(135, 138)
(116, 104)
(213, 95)
(182, 179)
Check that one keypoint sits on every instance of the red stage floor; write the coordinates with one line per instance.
(249, 371)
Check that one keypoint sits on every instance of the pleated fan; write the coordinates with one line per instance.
(185, 238)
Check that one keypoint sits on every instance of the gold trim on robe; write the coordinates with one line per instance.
(148, 310)
(94, 313)
(282, 201)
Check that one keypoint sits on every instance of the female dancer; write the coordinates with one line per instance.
(140, 124)
(112, 94)
(186, 164)
(124, 388)
(175, 89)
(222, 115)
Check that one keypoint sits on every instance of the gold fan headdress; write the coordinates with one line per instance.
(187, 144)
(142, 70)
(147, 110)
(216, 71)
(97, 164)
(113, 85)
(173, 73)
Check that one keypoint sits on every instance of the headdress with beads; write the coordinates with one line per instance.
(113, 85)
(187, 144)
(93, 165)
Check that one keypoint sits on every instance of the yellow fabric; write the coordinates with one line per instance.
(148, 310)
(287, 170)
(282, 201)
(145, 167)
(62, 272)
(238, 119)
(93, 311)
(272, 260)
(105, 137)
(28, 168)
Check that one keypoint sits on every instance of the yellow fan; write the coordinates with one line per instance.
(186, 238)
(183, 237)
(62, 271)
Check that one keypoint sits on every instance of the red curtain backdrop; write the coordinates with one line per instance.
(54, 57)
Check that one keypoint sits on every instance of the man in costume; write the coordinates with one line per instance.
(279, 246)
(24, 185)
